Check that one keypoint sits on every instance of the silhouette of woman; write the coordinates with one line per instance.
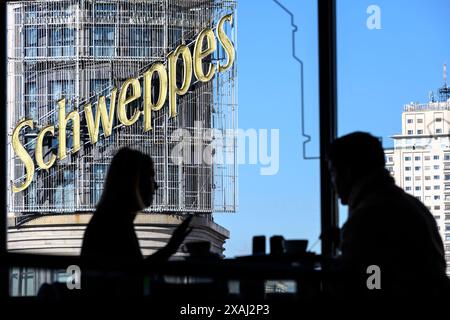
(110, 240)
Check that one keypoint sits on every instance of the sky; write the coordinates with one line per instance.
(379, 70)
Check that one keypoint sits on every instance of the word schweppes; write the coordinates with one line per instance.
(130, 91)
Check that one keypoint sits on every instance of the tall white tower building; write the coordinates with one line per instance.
(420, 159)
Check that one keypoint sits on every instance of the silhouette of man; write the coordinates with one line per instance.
(386, 227)
(110, 240)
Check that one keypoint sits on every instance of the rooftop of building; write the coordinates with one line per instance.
(429, 106)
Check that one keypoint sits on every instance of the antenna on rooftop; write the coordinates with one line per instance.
(431, 96)
(445, 75)
(444, 91)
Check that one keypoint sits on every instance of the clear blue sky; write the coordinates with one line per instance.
(378, 72)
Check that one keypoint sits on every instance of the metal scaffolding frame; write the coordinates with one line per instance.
(80, 49)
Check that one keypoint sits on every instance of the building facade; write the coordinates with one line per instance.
(420, 159)
(79, 50)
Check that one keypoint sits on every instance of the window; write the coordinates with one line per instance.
(97, 86)
(427, 167)
(139, 42)
(416, 158)
(103, 41)
(417, 168)
(437, 207)
(427, 178)
(409, 120)
(420, 120)
(447, 177)
(61, 89)
(417, 178)
(435, 157)
(410, 132)
(419, 197)
(447, 157)
(436, 167)
(418, 188)
(438, 130)
(436, 177)
(407, 158)
(104, 10)
(427, 157)
(61, 42)
(408, 188)
(437, 217)
(419, 131)
(31, 99)
(438, 119)
(31, 41)
(407, 178)
(437, 187)
(437, 197)
(427, 187)
(407, 168)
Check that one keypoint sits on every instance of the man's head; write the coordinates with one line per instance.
(353, 157)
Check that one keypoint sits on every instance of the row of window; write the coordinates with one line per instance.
(418, 188)
(428, 188)
(426, 158)
(418, 158)
(417, 168)
(421, 131)
(56, 90)
(429, 208)
(447, 207)
(418, 178)
(140, 41)
(420, 120)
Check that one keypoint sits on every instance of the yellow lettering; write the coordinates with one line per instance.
(187, 76)
(124, 101)
(62, 123)
(157, 67)
(22, 153)
(200, 54)
(39, 146)
(102, 115)
(225, 42)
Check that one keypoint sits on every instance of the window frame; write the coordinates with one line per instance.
(327, 126)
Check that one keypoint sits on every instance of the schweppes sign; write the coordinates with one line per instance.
(131, 90)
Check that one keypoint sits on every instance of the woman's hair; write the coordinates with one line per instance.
(122, 185)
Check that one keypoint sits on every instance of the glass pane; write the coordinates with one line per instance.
(392, 83)
(61, 75)
(68, 62)
(279, 189)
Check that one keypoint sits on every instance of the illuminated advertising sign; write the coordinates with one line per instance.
(130, 91)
